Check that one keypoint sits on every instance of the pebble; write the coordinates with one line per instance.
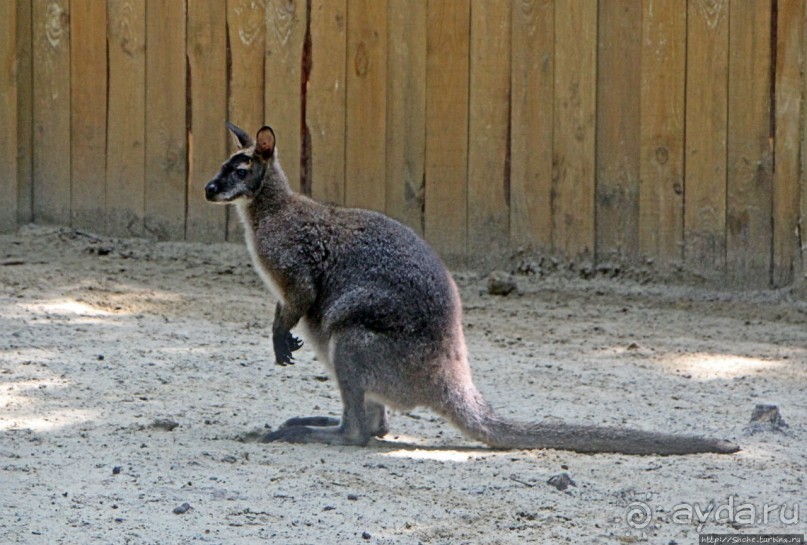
(182, 509)
(561, 481)
(501, 283)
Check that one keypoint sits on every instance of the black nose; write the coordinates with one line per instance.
(211, 190)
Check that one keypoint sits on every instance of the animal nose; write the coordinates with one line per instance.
(211, 190)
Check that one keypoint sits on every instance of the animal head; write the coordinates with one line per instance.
(241, 176)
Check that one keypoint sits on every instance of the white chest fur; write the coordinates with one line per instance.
(249, 236)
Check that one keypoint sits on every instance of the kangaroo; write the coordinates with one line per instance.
(382, 311)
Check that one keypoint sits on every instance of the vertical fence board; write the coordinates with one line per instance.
(247, 44)
(706, 126)
(750, 161)
(365, 126)
(574, 116)
(285, 33)
(325, 110)
(532, 96)
(789, 62)
(125, 163)
(661, 163)
(802, 169)
(88, 96)
(166, 132)
(246, 34)
(447, 126)
(51, 138)
(8, 112)
(406, 111)
(618, 130)
(207, 80)
(489, 129)
(25, 108)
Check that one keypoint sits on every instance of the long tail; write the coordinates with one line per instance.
(473, 415)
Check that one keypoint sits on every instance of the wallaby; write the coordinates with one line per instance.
(382, 311)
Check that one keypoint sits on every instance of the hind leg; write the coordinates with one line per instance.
(350, 430)
(375, 416)
(361, 419)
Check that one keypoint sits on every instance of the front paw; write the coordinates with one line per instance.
(285, 343)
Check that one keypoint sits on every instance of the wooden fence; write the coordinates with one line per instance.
(614, 132)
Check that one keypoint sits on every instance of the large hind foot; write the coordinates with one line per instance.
(315, 421)
(375, 415)
(329, 435)
(329, 430)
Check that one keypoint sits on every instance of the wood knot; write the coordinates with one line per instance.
(662, 155)
(361, 62)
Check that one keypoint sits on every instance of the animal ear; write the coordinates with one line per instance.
(265, 142)
(242, 139)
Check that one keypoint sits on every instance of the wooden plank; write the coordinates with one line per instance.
(285, 34)
(25, 109)
(573, 154)
(166, 135)
(125, 167)
(802, 257)
(247, 43)
(790, 44)
(750, 155)
(365, 147)
(618, 130)
(51, 82)
(207, 80)
(325, 103)
(8, 112)
(489, 130)
(88, 92)
(406, 111)
(661, 164)
(246, 24)
(447, 68)
(706, 125)
(533, 51)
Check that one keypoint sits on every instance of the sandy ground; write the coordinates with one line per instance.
(131, 374)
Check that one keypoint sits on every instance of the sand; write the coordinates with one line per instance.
(133, 375)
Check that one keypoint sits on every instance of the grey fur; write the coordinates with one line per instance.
(383, 313)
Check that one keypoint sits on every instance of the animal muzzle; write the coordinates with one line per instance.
(213, 191)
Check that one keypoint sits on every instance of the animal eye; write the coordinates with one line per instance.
(241, 173)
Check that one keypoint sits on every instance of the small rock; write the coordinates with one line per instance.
(501, 283)
(766, 418)
(365, 535)
(352, 497)
(116, 470)
(182, 509)
(561, 481)
(164, 424)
